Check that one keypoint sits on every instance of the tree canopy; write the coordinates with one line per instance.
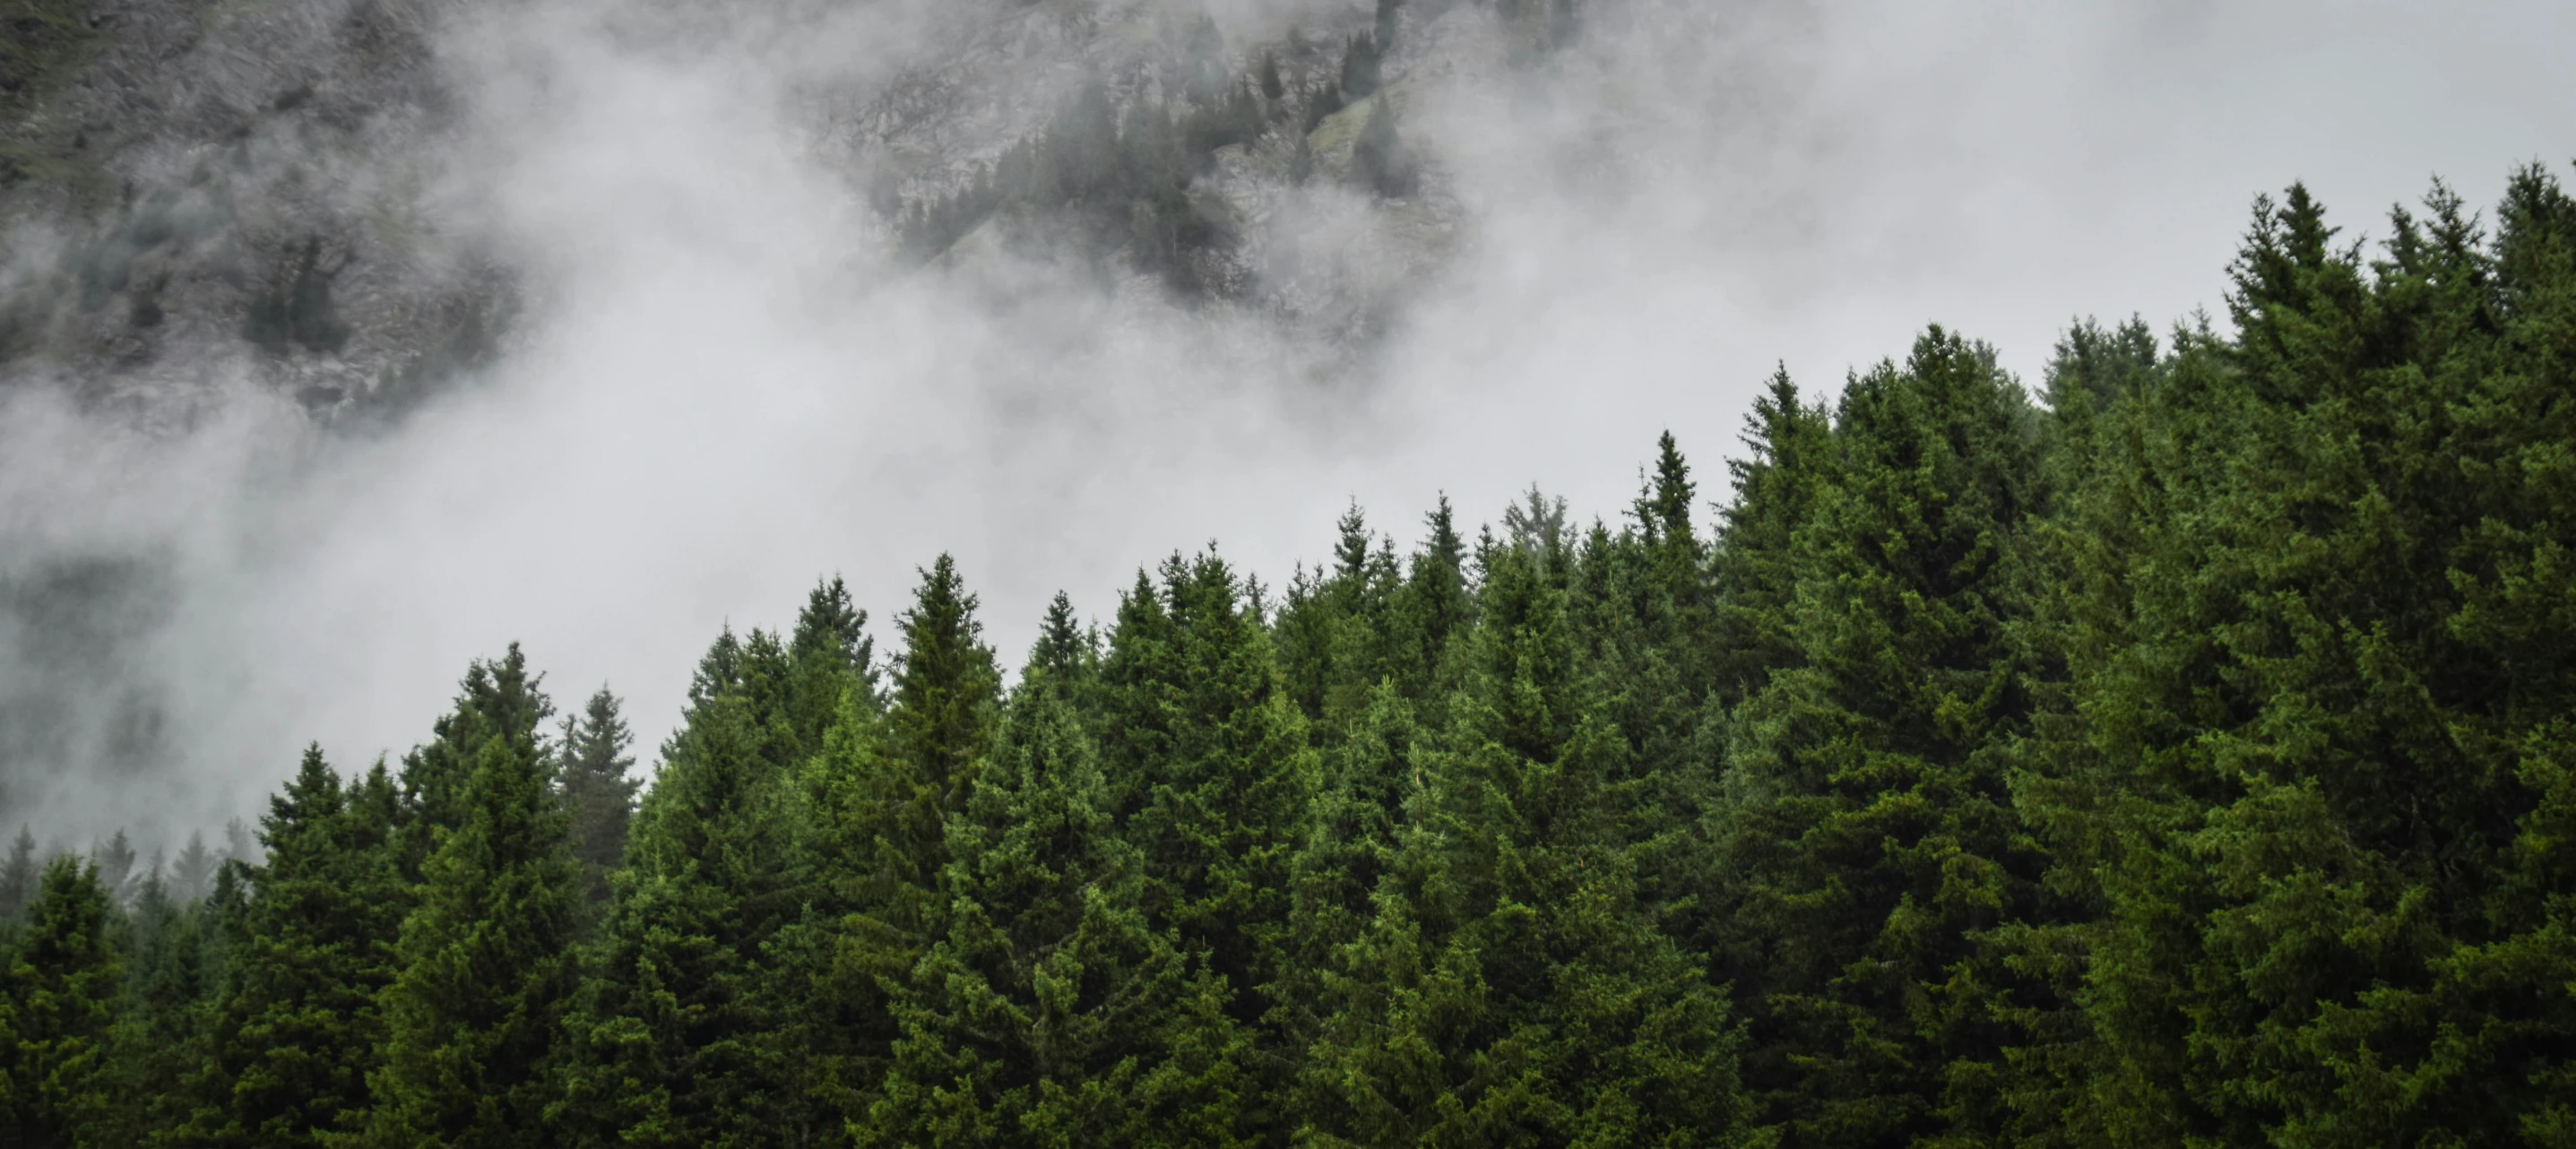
(2180, 751)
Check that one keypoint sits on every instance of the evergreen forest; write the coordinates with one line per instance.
(2178, 752)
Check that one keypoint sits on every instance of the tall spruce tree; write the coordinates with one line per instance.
(484, 966)
(158, 1039)
(1511, 990)
(297, 1026)
(62, 992)
(1867, 830)
(497, 699)
(1788, 461)
(1219, 804)
(598, 795)
(882, 792)
(830, 655)
(1050, 1012)
(685, 1033)
(2330, 714)
(2083, 502)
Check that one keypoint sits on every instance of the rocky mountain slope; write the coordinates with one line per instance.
(202, 193)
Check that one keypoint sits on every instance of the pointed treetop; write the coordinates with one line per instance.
(1444, 543)
(1664, 508)
(719, 670)
(311, 796)
(830, 623)
(516, 703)
(942, 617)
(1065, 648)
(595, 741)
(1350, 552)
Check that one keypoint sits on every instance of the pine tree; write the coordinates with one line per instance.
(296, 1031)
(2330, 714)
(684, 1034)
(882, 792)
(1380, 157)
(1642, 607)
(1049, 1011)
(830, 656)
(2099, 383)
(598, 795)
(1359, 78)
(1510, 989)
(1867, 829)
(1219, 800)
(158, 1040)
(1337, 634)
(62, 992)
(1439, 606)
(1067, 652)
(497, 700)
(484, 967)
(1752, 566)
(1266, 76)
(1207, 763)
(1370, 781)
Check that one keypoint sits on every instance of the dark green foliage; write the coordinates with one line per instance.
(1511, 990)
(1371, 780)
(2325, 709)
(2186, 761)
(1865, 815)
(598, 795)
(1067, 652)
(1788, 461)
(882, 792)
(830, 656)
(172, 969)
(484, 965)
(62, 991)
(498, 700)
(297, 1026)
(684, 1034)
(1050, 1012)
(1265, 77)
(1214, 805)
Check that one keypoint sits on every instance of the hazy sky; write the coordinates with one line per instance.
(717, 400)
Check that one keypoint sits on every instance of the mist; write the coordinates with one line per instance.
(723, 384)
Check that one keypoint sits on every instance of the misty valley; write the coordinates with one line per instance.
(1279, 573)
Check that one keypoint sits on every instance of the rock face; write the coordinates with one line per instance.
(204, 193)
(209, 193)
